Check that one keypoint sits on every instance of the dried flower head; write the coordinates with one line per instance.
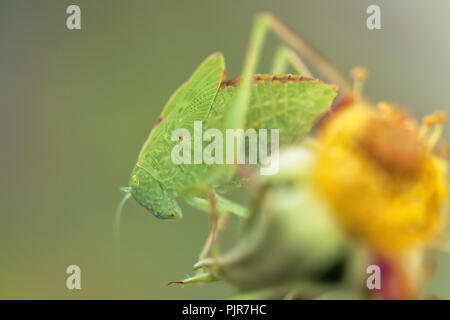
(379, 172)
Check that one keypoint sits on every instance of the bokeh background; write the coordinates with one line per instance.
(76, 107)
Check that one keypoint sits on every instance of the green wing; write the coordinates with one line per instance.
(191, 102)
(197, 96)
(292, 104)
(173, 100)
(289, 103)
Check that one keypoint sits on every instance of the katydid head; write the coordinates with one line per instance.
(152, 195)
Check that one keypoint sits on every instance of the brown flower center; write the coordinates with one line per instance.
(393, 146)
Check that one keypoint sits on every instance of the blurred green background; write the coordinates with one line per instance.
(76, 107)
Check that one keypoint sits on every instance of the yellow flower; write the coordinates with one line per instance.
(377, 170)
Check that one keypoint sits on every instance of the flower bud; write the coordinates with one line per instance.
(291, 241)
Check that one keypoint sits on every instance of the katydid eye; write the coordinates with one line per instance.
(134, 181)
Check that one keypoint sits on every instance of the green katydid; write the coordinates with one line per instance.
(290, 103)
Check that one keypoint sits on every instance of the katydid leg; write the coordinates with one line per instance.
(199, 278)
(293, 40)
(218, 209)
(211, 241)
(262, 24)
(223, 206)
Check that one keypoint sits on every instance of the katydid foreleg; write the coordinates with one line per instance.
(223, 206)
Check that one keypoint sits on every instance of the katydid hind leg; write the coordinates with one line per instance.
(285, 57)
(262, 23)
(238, 112)
(293, 40)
